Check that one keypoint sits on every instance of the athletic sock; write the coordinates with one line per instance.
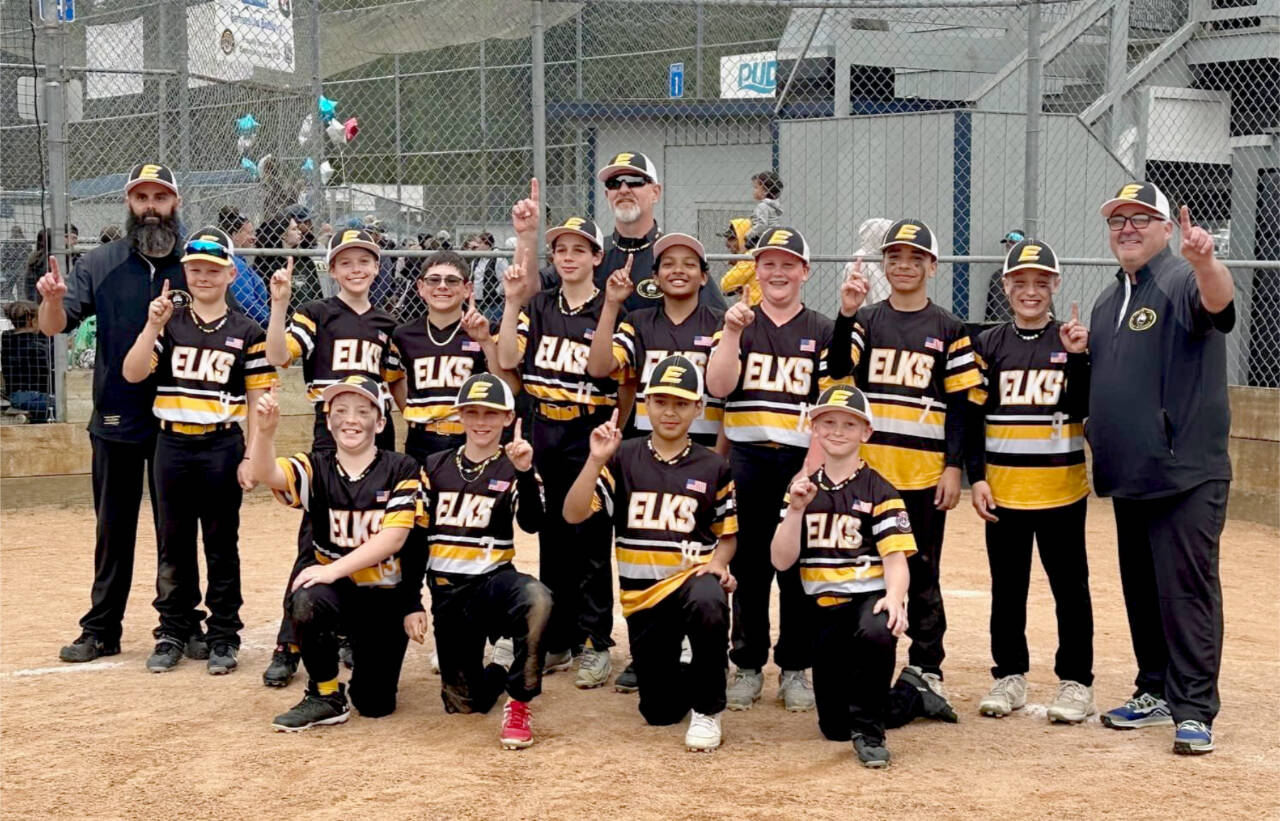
(327, 688)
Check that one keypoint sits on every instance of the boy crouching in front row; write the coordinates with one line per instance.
(849, 530)
(672, 503)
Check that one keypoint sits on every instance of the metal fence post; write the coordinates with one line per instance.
(319, 202)
(55, 113)
(1031, 169)
(539, 103)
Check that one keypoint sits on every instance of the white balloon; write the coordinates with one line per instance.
(244, 144)
(304, 131)
(336, 131)
(326, 171)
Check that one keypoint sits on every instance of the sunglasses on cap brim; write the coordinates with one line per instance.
(632, 181)
(206, 248)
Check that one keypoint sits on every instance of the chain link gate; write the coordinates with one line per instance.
(421, 121)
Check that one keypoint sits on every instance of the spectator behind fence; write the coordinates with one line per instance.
(13, 264)
(282, 231)
(38, 260)
(110, 233)
(766, 187)
(247, 288)
(26, 364)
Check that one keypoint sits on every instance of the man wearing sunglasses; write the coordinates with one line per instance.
(631, 185)
(1158, 426)
(116, 283)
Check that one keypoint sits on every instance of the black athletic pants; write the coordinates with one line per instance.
(1059, 533)
(117, 497)
(373, 618)
(926, 618)
(699, 609)
(574, 560)
(761, 477)
(197, 487)
(853, 668)
(504, 603)
(322, 439)
(1173, 595)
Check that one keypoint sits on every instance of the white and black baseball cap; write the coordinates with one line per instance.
(782, 239)
(668, 240)
(581, 226)
(675, 376)
(151, 172)
(210, 244)
(486, 391)
(1031, 254)
(628, 162)
(1138, 193)
(912, 232)
(845, 399)
(351, 238)
(356, 383)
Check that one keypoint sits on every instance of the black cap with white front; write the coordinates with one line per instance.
(843, 398)
(628, 162)
(580, 226)
(675, 376)
(1031, 254)
(486, 391)
(1138, 193)
(356, 383)
(789, 240)
(911, 232)
(151, 172)
(352, 238)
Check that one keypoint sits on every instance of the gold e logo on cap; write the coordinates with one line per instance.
(623, 159)
(840, 397)
(1130, 191)
(779, 237)
(350, 236)
(907, 231)
(479, 390)
(672, 374)
(1030, 253)
(150, 172)
(574, 222)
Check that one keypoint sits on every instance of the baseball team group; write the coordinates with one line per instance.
(634, 419)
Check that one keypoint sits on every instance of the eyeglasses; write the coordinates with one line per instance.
(1138, 221)
(631, 180)
(204, 246)
(435, 280)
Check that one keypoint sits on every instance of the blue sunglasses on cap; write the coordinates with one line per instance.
(204, 246)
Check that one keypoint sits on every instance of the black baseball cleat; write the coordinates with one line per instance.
(284, 663)
(87, 648)
(627, 681)
(935, 705)
(871, 753)
(222, 658)
(314, 710)
(167, 655)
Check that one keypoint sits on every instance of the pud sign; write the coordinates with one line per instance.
(749, 75)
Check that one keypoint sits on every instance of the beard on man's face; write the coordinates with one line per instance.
(627, 212)
(152, 233)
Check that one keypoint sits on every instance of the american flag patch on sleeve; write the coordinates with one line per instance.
(703, 341)
(235, 342)
(589, 333)
(499, 485)
(1058, 357)
(382, 337)
(808, 346)
(933, 343)
(861, 506)
(695, 485)
(382, 495)
(470, 345)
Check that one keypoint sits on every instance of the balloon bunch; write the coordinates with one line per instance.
(339, 132)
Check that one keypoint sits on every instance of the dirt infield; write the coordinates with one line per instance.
(111, 740)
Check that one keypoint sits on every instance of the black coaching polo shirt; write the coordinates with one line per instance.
(1158, 411)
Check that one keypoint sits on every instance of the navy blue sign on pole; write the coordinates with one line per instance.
(675, 80)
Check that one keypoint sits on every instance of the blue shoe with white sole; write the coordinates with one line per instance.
(1143, 710)
(1193, 738)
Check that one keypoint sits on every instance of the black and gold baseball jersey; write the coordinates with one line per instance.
(649, 336)
(668, 515)
(847, 531)
(1034, 396)
(784, 368)
(469, 510)
(204, 371)
(907, 363)
(334, 341)
(554, 341)
(346, 511)
(436, 362)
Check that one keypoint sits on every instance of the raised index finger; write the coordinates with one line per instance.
(54, 268)
(1185, 218)
(613, 420)
(533, 188)
(515, 434)
(164, 288)
(1075, 311)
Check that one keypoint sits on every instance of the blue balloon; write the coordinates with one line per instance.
(308, 165)
(328, 108)
(246, 124)
(250, 166)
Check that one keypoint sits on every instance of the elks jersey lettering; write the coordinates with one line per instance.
(469, 522)
(434, 373)
(1034, 418)
(204, 378)
(346, 513)
(847, 531)
(668, 517)
(907, 362)
(335, 342)
(554, 344)
(649, 336)
(784, 369)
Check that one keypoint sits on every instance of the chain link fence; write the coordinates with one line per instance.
(424, 121)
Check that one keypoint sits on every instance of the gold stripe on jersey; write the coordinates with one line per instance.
(650, 337)
(479, 556)
(383, 574)
(333, 342)
(202, 378)
(553, 364)
(962, 369)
